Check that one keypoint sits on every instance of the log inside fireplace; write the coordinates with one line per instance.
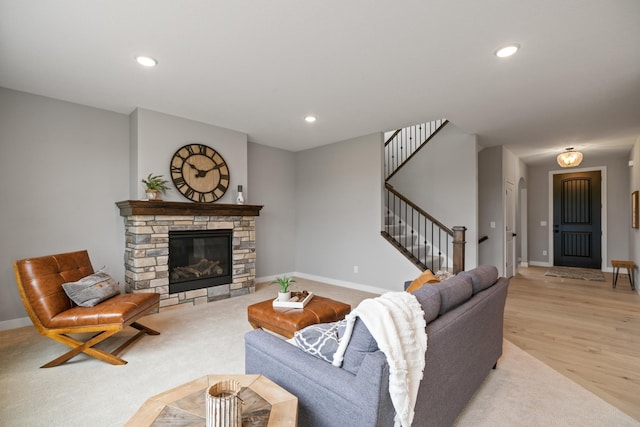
(199, 259)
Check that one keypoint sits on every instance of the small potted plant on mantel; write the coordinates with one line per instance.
(156, 184)
(284, 283)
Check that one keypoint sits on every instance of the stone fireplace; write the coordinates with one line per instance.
(147, 228)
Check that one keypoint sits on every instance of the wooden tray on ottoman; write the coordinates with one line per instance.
(296, 304)
(286, 321)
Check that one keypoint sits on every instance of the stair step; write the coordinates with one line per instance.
(395, 230)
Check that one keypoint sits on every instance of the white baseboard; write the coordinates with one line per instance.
(540, 264)
(270, 279)
(327, 280)
(344, 284)
(15, 323)
(524, 264)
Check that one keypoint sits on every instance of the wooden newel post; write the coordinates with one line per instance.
(458, 248)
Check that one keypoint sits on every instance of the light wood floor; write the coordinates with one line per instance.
(583, 329)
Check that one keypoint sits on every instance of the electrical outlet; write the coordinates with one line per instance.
(544, 253)
(492, 224)
(355, 269)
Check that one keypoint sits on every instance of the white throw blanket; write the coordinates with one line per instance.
(396, 322)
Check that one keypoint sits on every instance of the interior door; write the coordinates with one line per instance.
(577, 233)
(509, 229)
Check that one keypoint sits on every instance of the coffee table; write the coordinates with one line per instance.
(286, 321)
(265, 404)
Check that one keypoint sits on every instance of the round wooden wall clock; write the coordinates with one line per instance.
(199, 173)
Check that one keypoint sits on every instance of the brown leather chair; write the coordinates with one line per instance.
(56, 316)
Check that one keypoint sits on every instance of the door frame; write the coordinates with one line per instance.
(603, 212)
(509, 208)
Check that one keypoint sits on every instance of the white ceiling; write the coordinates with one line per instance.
(361, 66)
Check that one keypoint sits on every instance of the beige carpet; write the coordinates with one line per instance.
(207, 339)
(576, 273)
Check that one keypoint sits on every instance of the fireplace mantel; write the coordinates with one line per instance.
(160, 207)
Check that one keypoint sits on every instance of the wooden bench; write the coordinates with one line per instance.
(629, 265)
(55, 315)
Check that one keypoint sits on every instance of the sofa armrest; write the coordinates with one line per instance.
(325, 393)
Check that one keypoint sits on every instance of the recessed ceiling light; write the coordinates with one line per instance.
(310, 119)
(506, 51)
(146, 61)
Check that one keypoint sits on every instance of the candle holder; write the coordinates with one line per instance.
(224, 407)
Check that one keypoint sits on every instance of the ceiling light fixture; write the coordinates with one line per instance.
(507, 51)
(146, 61)
(310, 119)
(569, 158)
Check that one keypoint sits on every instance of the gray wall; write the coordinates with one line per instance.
(62, 167)
(616, 217)
(491, 208)
(272, 183)
(322, 207)
(158, 136)
(442, 179)
(634, 185)
(338, 198)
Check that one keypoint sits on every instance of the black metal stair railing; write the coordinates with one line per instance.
(405, 143)
(424, 240)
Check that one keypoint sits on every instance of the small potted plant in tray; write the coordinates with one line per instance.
(284, 283)
(156, 184)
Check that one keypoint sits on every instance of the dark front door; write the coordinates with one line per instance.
(576, 220)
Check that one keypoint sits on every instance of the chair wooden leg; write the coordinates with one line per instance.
(78, 346)
(84, 347)
(143, 331)
(146, 329)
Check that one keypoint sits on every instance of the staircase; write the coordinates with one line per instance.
(403, 144)
(421, 238)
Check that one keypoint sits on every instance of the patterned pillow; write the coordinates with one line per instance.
(320, 340)
(92, 289)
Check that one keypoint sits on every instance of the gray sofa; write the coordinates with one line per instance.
(464, 317)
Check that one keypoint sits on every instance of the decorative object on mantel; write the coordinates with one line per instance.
(224, 405)
(569, 158)
(297, 300)
(284, 283)
(199, 173)
(156, 184)
(240, 198)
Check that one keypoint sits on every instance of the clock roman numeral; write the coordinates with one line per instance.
(179, 182)
(190, 150)
(189, 192)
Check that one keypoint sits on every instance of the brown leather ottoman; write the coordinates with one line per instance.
(285, 321)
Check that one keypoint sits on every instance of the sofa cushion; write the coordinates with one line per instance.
(320, 340)
(430, 299)
(454, 292)
(92, 289)
(361, 343)
(482, 277)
